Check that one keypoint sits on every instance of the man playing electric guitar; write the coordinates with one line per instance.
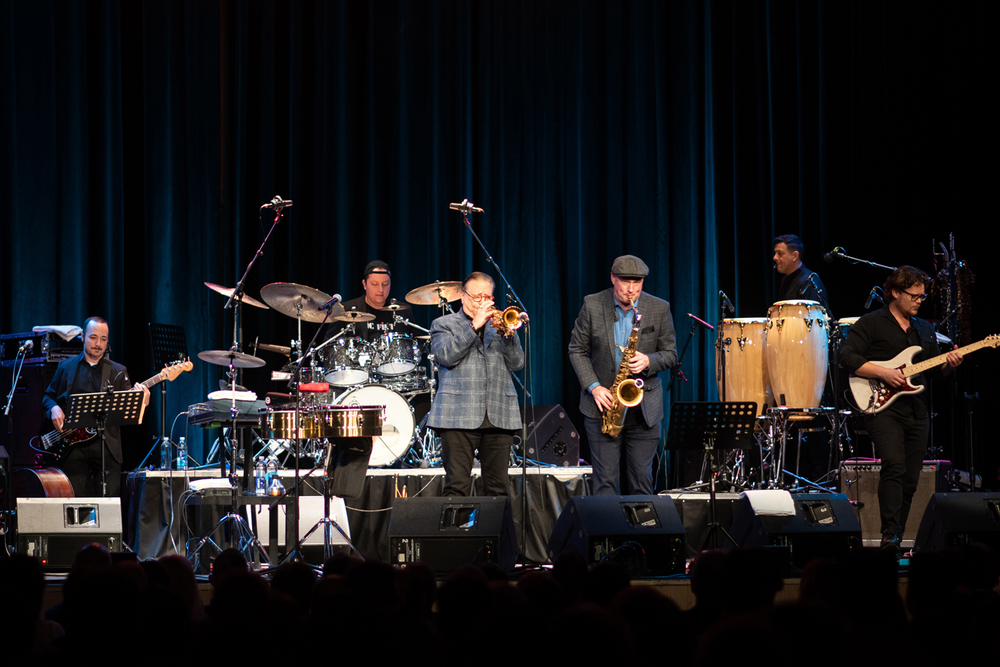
(83, 374)
(900, 429)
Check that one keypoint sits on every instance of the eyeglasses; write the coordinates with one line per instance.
(479, 298)
(917, 297)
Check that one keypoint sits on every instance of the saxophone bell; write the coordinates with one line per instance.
(629, 392)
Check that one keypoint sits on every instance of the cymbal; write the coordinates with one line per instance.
(428, 294)
(228, 291)
(224, 357)
(392, 306)
(354, 316)
(280, 349)
(299, 301)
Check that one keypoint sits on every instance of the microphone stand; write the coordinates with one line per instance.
(511, 297)
(857, 260)
(676, 372)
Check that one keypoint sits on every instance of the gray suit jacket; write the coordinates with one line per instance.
(474, 375)
(592, 349)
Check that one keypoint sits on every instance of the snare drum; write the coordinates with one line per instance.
(347, 362)
(746, 373)
(797, 352)
(397, 427)
(415, 380)
(396, 353)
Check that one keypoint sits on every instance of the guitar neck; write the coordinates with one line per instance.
(940, 359)
(156, 379)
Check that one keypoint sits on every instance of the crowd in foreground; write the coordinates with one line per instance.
(847, 610)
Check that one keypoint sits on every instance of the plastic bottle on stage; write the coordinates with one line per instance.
(182, 453)
(272, 472)
(260, 473)
(165, 454)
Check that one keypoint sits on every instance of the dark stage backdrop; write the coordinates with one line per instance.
(139, 140)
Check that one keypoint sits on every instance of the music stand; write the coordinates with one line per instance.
(710, 426)
(102, 409)
(169, 345)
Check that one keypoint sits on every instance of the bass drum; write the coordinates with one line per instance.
(398, 425)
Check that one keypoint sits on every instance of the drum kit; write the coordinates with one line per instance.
(781, 362)
(348, 382)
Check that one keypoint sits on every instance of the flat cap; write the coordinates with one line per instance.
(629, 266)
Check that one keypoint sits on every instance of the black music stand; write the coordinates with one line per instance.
(710, 426)
(169, 345)
(102, 409)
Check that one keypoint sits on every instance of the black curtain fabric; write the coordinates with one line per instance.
(139, 140)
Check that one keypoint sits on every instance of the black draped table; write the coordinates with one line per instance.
(159, 525)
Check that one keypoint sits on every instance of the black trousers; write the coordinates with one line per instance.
(458, 450)
(83, 467)
(900, 437)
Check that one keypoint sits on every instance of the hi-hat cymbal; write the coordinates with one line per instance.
(354, 316)
(280, 349)
(228, 291)
(229, 357)
(299, 301)
(428, 294)
(392, 306)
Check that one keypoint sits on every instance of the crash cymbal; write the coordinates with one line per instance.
(280, 349)
(298, 301)
(428, 294)
(225, 357)
(354, 316)
(228, 292)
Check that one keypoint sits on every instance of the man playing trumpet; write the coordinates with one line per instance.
(599, 338)
(476, 403)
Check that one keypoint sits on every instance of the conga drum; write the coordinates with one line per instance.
(746, 377)
(796, 352)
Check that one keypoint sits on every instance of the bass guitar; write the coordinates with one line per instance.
(873, 395)
(57, 443)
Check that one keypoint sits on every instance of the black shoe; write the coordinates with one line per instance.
(890, 542)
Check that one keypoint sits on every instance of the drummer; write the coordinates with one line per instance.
(377, 281)
(798, 282)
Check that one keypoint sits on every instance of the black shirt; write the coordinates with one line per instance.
(796, 286)
(877, 336)
(372, 330)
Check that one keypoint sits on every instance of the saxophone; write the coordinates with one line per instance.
(626, 391)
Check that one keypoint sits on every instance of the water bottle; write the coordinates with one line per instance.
(260, 474)
(165, 454)
(182, 453)
(272, 470)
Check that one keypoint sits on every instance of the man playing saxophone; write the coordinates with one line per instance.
(600, 340)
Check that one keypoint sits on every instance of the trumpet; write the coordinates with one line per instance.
(506, 322)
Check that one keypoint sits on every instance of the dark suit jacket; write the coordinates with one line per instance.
(592, 349)
(61, 388)
(474, 375)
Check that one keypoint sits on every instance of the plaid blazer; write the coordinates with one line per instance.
(474, 375)
(592, 349)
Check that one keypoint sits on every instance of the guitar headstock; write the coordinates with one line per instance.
(171, 371)
(992, 341)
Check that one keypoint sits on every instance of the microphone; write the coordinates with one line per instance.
(871, 296)
(26, 346)
(833, 254)
(466, 207)
(726, 303)
(701, 322)
(335, 299)
(277, 203)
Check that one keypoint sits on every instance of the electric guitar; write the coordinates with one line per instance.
(57, 443)
(873, 395)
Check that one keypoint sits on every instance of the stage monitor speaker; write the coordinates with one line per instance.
(551, 436)
(643, 533)
(55, 529)
(953, 519)
(447, 532)
(824, 525)
(859, 480)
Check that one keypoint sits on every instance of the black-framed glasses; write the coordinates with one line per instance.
(917, 297)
